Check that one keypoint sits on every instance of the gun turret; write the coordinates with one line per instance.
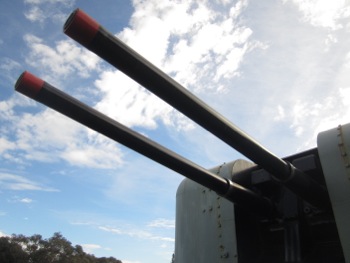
(93, 36)
(283, 211)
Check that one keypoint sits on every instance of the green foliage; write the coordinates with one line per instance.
(33, 249)
(11, 252)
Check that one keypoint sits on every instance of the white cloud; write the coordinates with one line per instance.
(47, 129)
(345, 96)
(212, 47)
(43, 10)
(17, 199)
(110, 229)
(26, 200)
(9, 68)
(106, 156)
(63, 60)
(2, 234)
(90, 248)
(204, 51)
(309, 119)
(35, 14)
(162, 223)
(280, 113)
(6, 145)
(330, 40)
(9, 64)
(136, 233)
(324, 13)
(7, 107)
(148, 41)
(48, 135)
(20, 183)
(128, 103)
(200, 50)
(184, 48)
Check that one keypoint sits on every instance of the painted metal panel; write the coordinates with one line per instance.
(334, 151)
(205, 223)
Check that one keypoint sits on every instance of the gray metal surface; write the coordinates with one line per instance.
(334, 151)
(205, 223)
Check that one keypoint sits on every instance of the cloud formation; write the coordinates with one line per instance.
(19, 183)
(64, 59)
(204, 51)
(324, 13)
(162, 223)
(42, 10)
(136, 233)
(90, 248)
(200, 51)
(48, 136)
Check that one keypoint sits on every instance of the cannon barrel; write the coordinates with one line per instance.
(93, 36)
(52, 97)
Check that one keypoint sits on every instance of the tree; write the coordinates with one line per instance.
(11, 252)
(108, 260)
(57, 249)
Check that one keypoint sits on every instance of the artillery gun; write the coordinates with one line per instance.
(293, 209)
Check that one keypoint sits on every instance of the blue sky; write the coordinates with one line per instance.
(277, 69)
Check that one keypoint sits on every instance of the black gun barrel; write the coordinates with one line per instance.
(93, 36)
(43, 92)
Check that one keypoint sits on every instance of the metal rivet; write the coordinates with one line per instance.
(224, 255)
